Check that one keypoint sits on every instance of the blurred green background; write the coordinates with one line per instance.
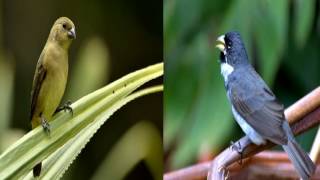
(282, 40)
(114, 38)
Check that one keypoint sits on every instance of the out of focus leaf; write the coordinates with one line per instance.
(304, 12)
(9, 136)
(207, 106)
(271, 32)
(123, 157)
(6, 91)
(176, 25)
(299, 61)
(180, 25)
(91, 69)
(239, 17)
(265, 20)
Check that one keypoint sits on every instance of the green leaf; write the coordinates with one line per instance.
(191, 120)
(240, 17)
(35, 146)
(56, 164)
(303, 17)
(267, 22)
(6, 92)
(122, 158)
(91, 69)
(271, 33)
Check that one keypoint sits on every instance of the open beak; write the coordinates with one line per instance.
(221, 44)
(72, 33)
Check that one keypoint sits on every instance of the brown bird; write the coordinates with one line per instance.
(50, 77)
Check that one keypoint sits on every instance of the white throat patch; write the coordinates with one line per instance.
(226, 70)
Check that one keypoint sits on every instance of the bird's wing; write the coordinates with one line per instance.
(39, 76)
(259, 107)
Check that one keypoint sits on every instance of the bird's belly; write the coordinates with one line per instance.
(51, 93)
(253, 135)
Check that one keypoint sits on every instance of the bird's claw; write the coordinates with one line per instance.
(225, 172)
(45, 125)
(66, 107)
(239, 150)
(236, 147)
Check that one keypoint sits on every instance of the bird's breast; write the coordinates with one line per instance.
(226, 70)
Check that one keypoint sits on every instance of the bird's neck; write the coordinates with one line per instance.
(56, 40)
(59, 44)
(226, 70)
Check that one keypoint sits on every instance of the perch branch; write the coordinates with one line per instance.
(315, 150)
(266, 165)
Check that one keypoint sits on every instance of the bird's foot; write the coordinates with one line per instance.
(65, 107)
(225, 172)
(237, 147)
(45, 125)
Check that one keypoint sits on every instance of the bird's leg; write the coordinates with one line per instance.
(236, 147)
(45, 125)
(225, 172)
(65, 107)
(239, 150)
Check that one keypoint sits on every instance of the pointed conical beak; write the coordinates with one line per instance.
(221, 44)
(72, 33)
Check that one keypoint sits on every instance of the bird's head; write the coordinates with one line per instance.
(232, 49)
(63, 31)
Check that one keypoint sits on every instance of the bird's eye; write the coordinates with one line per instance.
(64, 26)
(229, 45)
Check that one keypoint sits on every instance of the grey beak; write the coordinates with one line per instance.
(72, 33)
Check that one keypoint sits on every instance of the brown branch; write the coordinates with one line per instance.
(302, 115)
(266, 165)
(315, 150)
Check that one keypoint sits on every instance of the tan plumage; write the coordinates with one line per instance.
(51, 74)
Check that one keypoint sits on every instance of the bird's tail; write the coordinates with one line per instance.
(37, 167)
(300, 159)
(37, 170)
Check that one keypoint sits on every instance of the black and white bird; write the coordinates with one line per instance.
(254, 106)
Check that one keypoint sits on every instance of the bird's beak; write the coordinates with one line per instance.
(72, 33)
(221, 44)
